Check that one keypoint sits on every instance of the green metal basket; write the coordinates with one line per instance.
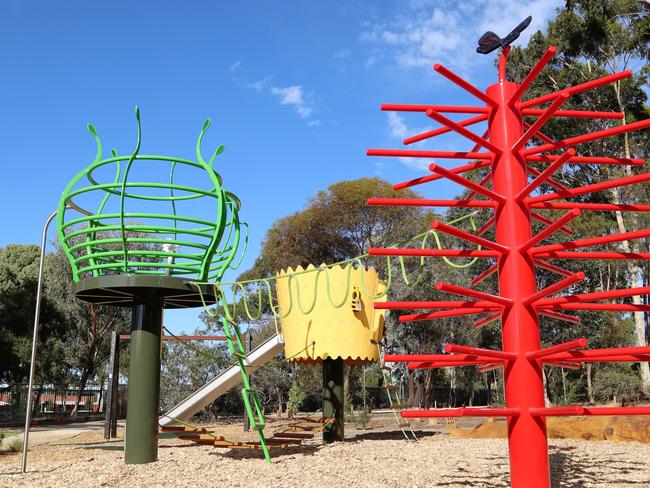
(132, 225)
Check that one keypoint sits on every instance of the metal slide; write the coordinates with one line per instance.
(223, 382)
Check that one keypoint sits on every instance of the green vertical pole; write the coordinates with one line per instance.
(333, 405)
(141, 443)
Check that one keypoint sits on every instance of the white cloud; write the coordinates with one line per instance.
(294, 96)
(258, 85)
(398, 129)
(425, 32)
(234, 66)
(397, 126)
(343, 53)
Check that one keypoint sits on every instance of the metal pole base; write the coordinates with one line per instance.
(141, 442)
(333, 404)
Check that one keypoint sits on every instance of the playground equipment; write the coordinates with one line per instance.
(503, 155)
(340, 322)
(226, 380)
(130, 243)
(334, 330)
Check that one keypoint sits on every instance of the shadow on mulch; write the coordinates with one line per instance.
(389, 435)
(241, 454)
(569, 470)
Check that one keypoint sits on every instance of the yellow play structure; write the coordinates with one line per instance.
(339, 320)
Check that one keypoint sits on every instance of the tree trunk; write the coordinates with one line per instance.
(590, 389)
(82, 385)
(635, 272)
(411, 388)
(547, 402)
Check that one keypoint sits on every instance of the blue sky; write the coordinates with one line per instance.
(293, 89)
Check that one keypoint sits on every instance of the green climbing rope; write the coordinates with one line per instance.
(263, 288)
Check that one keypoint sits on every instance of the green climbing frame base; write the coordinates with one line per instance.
(249, 395)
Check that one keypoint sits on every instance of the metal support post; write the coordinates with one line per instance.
(141, 442)
(333, 399)
(32, 364)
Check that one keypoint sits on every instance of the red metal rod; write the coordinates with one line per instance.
(557, 411)
(488, 223)
(597, 207)
(597, 295)
(593, 241)
(561, 364)
(554, 288)
(423, 202)
(489, 367)
(468, 292)
(441, 119)
(539, 134)
(550, 180)
(487, 320)
(533, 73)
(454, 253)
(550, 229)
(549, 158)
(460, 109)
(461, 234)
(616, 411)
(432, 305)
(560, 316)
(456, 348)
(593, 255)
(464, 84)
(465, 182)
(630, 358)
(575, 114)
(424, 179)
(411, 153)
(486, 179)
(462, 412)
(432, 358)
(572, 141)
(548, 221)
(444, 130)
(546, 174)
(436, 365)
(611, 352)
(443, 313)
(605, 185)
(553, 268)
(579, 88)
(543, 118)
(613, 307)
(484, 274)
(565, 346)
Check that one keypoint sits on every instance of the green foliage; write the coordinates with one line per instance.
(296, 398)
(361, 418)
(16, 445)
(617, 382)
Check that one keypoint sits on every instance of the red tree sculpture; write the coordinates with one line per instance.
(517, 253)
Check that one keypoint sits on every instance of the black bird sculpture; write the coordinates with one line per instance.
(490, 41)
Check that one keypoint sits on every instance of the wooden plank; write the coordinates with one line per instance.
(306, 428)
(294, 435)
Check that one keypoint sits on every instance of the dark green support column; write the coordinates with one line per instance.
(141, 443)
(333, 404)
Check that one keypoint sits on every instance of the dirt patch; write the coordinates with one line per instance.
(596, 428)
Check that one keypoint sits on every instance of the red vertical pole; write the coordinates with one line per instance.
(523, 378)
